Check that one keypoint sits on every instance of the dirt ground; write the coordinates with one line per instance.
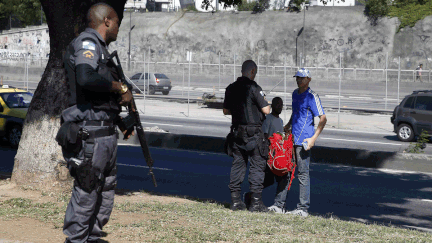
(26, 229)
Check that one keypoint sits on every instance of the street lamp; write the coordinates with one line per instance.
(130, 30)
(299, 33)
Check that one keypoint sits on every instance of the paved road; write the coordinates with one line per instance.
(333, 138)
(349, 193)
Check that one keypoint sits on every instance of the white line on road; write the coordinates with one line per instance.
(344, 130)
(359, 98)
(359, 141)
(161, 124)
(143, 166)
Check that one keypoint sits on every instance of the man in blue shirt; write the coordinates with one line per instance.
(306, 105)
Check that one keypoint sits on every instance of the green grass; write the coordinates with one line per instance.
(211, 222)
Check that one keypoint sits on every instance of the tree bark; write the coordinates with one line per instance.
(39, 162)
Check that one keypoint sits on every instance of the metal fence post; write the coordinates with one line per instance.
(258, 73)
(386, 66)
(399, 70)
(285, 90)
(340, 84)
(219, 68)
(234, 66)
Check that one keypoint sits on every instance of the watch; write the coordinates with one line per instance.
(124, 89)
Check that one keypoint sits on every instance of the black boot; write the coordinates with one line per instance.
(256, 204)
(247, 197)
(236, 202)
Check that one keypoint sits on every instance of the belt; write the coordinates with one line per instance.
(97, 123)
(90, 136)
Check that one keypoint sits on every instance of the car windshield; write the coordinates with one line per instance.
(160, 76)
(17, 100)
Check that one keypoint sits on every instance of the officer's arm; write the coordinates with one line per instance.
(226, 111)
(266, 110)
(87, 55)
(89, 79)
(261, 101)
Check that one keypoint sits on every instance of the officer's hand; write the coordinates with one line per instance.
(126, 98)
(124, 133)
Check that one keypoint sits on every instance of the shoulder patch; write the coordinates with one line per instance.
(88, 45)
(262, 93)
(88, 54)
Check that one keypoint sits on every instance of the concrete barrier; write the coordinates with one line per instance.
(320, 154)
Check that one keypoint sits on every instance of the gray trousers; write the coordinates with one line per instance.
(89, 210)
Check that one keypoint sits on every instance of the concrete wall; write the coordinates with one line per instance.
(32, 40)
(269, 36)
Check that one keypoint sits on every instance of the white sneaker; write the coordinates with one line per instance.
(298, 212)
(276, 209)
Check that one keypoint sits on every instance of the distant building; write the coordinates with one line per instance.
(212, 7)
(334, 3)
(136, 4)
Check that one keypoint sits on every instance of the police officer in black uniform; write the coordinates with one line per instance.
(245, 101)
(88, 125)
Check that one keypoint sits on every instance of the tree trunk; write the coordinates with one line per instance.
(39, 160)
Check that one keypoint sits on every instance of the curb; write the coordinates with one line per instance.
(320, 154)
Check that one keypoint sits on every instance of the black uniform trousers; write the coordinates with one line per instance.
(256, 169)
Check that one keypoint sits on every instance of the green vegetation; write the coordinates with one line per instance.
(154, 221)
(27, 12)
(409, 12)
(420, 145)
(246, 6)
(191, 7)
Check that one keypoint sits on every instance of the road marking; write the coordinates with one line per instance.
(143, 166)
(343, 130)
(161, 124)
(359, 141)
(426, 200)
(359, 97)
(333, 96)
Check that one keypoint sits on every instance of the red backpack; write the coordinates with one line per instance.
(280, 156)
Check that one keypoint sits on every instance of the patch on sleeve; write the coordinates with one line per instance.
(88, 45)
(262, 93)
(88, 54)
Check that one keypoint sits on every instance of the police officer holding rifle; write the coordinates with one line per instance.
(88, 134)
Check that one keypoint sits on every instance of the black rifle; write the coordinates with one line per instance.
(133, 120)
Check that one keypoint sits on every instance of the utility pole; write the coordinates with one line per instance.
(130, 30)
(304, 20)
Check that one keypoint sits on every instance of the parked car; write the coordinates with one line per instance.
(14, 104)
(413, 115)
(158, 82)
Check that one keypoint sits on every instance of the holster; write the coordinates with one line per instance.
(69, 137)
(249, 137)
(229, 143)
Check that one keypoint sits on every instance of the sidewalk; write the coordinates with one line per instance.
(349, 120)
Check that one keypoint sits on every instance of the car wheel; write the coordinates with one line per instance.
(165, 92)
(14, 136)
(152, 90)
(405, 132)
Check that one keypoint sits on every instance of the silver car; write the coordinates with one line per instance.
(158, 82)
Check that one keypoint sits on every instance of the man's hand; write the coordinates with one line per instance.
(126, 98)
(310, 142)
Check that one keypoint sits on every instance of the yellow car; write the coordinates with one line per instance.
(14, 104)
